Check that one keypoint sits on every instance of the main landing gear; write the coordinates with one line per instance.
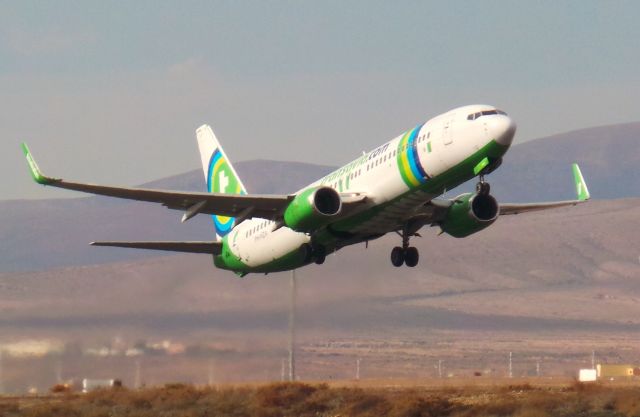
(406, 254)
(320, 254)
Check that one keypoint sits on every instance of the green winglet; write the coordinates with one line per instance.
(581, 187)
(33, 167)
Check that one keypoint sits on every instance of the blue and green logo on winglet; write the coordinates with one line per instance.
(581, 187)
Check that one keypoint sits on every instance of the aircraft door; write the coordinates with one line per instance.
(447, 131)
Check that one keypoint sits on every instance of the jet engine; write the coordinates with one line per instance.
(312, 209)
(469, 214)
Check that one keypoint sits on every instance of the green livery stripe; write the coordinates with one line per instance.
(408, 159)
(402, 161)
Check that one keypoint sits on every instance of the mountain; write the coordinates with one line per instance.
(40, 234)
(609, 157)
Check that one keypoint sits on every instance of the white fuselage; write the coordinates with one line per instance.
(441, 143)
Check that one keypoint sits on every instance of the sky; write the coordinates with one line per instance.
(112, 91)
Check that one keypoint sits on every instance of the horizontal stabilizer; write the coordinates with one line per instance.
(212, 247)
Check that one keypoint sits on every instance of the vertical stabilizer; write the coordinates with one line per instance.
(218, 174)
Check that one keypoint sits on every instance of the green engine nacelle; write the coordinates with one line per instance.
(469, 214)
(312, 209)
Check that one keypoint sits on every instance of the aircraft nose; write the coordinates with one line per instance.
(501, 129)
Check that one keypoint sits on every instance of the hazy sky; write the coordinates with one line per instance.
(112, 91)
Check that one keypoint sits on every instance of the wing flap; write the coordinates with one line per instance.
(211, 247)
(511, 208)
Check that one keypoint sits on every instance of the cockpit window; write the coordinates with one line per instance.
(474, 116)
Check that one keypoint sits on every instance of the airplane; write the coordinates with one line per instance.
(392, 189)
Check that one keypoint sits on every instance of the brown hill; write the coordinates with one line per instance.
(554, 266)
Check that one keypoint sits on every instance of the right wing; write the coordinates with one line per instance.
(213, 247)
(232, 205)
(436, 210)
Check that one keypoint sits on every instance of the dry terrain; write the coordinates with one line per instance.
(516, 398)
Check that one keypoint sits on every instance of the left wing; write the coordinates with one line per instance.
(232, 205)
(436, 210)
(582, 193)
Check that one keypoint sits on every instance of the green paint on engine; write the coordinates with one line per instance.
(302, 216)
(459, 221)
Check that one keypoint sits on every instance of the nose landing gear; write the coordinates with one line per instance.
(406, 254)
(482, 187)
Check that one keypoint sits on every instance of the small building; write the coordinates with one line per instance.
(93, 384)
(607, 370)
(587, 375)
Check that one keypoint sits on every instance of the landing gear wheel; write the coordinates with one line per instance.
(307, 252)
(320, 254)
(411, 257)
(320, 259)
(397, 256)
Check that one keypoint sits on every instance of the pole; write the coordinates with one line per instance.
(210, 373)
(510, 364)
(137, 378)
(439, 368)
(59, 371)
(292, 326)
(1, 376)
(358, 369)
(593, 359)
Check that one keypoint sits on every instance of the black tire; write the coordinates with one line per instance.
(307, 252)
(397, 256)
(320, 254)
(411, 257)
